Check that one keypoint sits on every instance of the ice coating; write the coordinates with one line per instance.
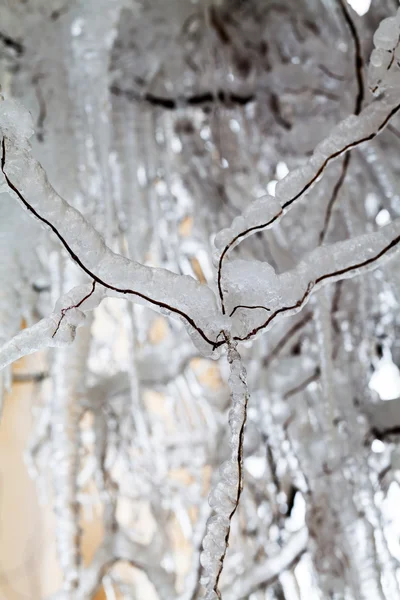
(387, 34)
(264, 208)
(383, 66)
(225, 495)
(181, 296)
(57, 330)
(16, 121)
(256, 284)
(350, 133)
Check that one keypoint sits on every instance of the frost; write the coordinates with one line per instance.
(130, 133)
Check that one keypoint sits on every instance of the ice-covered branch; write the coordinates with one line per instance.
(224, 498)
(178, 295)
(349, 134)
(58, 330)
(286, 293)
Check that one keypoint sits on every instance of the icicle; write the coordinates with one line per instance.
(324, 337)
(69, 374)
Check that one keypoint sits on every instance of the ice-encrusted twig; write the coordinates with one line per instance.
(224, 498)
(353, 131)
(286, 293)
(58, 330)
(181, 296)
(268, 570)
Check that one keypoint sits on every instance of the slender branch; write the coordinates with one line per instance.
(200, 99)
(302, 385)
(357, 56)
(357, 109)
(365, 263)
(335, 194)
(286, 338)
(299, 194)
(30, 377)
(92, 275)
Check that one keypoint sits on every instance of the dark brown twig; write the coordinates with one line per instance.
(248, 307)
(65, 310)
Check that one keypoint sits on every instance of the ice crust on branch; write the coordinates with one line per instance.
(179, 295)
(144, 131)
(383, 70)
(224, 497)
(56, 331)
(350, 133)
(258, 295)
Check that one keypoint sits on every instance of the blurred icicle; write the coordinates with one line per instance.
(69, 377)
(269, 570)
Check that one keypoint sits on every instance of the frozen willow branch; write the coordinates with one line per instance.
(224, 498)
(25, 179)
(325, 264)
(159, 122)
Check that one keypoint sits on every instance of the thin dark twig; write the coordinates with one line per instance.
(357, 110)
(29, 377)
(334, 197)
(302, 386)
(65, 310)
(248, 307)
(170, 103)
(287, 337)
(358, 60)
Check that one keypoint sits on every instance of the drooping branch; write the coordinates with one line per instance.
(99, 263)
(224, 498)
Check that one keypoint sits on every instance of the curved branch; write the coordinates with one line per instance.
(286, 205)
(313, 285)
(88, 271)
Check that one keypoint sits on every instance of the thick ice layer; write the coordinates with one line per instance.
(272, 296)
(224, 497)
(181, 296)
